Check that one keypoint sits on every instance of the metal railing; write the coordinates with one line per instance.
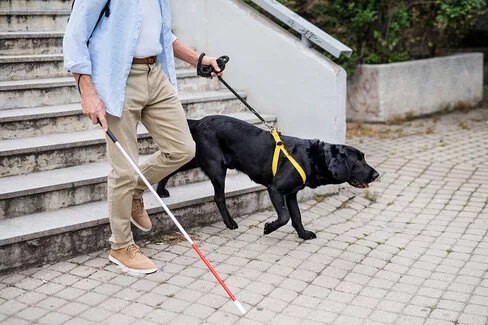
(309, 32)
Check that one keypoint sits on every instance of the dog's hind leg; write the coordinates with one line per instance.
(279, 203)
(217, 177)
(161, 190)
(296, 218)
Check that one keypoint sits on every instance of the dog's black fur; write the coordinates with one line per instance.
(224, 142)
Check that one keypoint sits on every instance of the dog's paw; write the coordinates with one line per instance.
(231, 224)
(268, 228)
(163, 193)
(307, 235)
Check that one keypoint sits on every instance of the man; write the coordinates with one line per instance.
(121, 54)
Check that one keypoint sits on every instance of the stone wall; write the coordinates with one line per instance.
(378, 93)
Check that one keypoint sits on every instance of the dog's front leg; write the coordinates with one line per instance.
(279, 204)
(217, 177)
(296, 217)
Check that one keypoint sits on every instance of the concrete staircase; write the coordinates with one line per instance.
(52, 159)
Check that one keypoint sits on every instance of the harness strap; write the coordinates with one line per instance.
(281, 147)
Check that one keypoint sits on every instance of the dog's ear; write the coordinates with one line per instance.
(339, 167)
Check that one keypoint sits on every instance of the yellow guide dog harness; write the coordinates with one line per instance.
(281, 147)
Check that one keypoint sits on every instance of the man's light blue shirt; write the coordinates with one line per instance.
(108, 58)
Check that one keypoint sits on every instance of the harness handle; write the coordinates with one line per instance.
(206, 70)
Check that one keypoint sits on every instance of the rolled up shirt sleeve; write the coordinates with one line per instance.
(173, 38)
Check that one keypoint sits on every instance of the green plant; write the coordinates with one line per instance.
(385, 31)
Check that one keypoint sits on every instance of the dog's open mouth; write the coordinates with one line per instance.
(358, 184)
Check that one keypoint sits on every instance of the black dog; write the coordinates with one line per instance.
(224, 142)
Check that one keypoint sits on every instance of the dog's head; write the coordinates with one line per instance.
(347, 164)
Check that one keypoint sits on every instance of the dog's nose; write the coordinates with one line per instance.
(375, 175)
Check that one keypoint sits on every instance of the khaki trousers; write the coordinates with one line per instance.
(150, 99)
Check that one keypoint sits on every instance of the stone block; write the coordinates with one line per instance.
(379, 93)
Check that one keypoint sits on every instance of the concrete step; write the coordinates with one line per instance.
(67, 187)
(54, 189)
(45, 120)
(37, 121)
(49, 152)
(37, 92)
(35, 5)
(42, 153)
(42, 66)
(25, 43)
(34, 20)
(61, 91)
(31, 43)
(179, 64)
(19, 67)
(53, 235)
(189, 81)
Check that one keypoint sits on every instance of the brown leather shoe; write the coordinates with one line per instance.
(132, 259)
(139, 216)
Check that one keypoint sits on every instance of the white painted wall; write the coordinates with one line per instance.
(305, 90)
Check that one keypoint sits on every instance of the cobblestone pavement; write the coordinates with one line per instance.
(412, 249)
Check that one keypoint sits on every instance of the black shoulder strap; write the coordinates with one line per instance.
(105, 11)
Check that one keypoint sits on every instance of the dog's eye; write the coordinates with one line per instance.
(358, 162)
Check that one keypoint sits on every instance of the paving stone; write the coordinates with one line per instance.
(12, 279)
(444, 314)
(11, 292)
(343, 319)
(437, 322)
(223, 318)
(70, 293)
(52, 303)
(29, 298)
(54, 318)
(11, 307)
(471, 319)
(188, 295)
(424, 301)
(66, 279)
(73, 308)
(46, 274)
(31, 313)
(128, 294)
(86, 284)
(29, 283)
(91, 298)
(284, 319)
(50, 288)
(410, 320)
(383, 317)
(456, 296)
(114, 304)
(15, 321)
(120, 319)
(481, 310)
